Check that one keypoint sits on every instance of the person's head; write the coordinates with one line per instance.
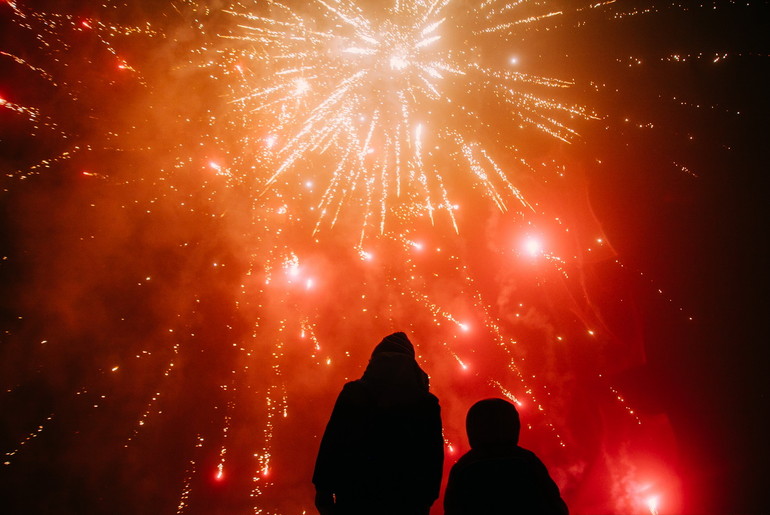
(492, 423)
(393, 371)
(397, 343)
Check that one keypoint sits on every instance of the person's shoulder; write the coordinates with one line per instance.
(354, 391)
(529, 457)
(429, 403)
(511, 462)
(353, 388)
(470, 465)
(354, 385)
(497, 456)
(526, 453)
(466, 459)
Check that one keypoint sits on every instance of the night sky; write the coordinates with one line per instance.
(177, 318)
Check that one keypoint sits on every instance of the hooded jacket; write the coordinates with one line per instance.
(497, 477)
(382, 451)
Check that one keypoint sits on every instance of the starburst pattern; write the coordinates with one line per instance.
(388, 100)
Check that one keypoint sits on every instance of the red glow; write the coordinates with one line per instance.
(533, 246)
(255, 309)
(652, 504)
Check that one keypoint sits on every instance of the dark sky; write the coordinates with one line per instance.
(135, 265)
(705, 240)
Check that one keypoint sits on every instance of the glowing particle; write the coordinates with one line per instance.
(533, 247)
(301, 86)
(398, 62)
(652, 504)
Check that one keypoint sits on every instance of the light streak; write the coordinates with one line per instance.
(9, 455)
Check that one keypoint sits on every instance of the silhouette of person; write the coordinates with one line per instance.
(383, 451)
(497, 477)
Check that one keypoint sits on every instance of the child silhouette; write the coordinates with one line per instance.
(497, 477)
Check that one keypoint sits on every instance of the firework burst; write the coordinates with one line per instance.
(394, 99)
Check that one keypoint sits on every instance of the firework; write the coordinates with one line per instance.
(387, 101)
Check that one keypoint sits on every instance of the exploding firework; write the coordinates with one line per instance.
(244, 198)
(391, 97)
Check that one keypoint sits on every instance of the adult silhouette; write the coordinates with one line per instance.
(383, 451)
(497, 477)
